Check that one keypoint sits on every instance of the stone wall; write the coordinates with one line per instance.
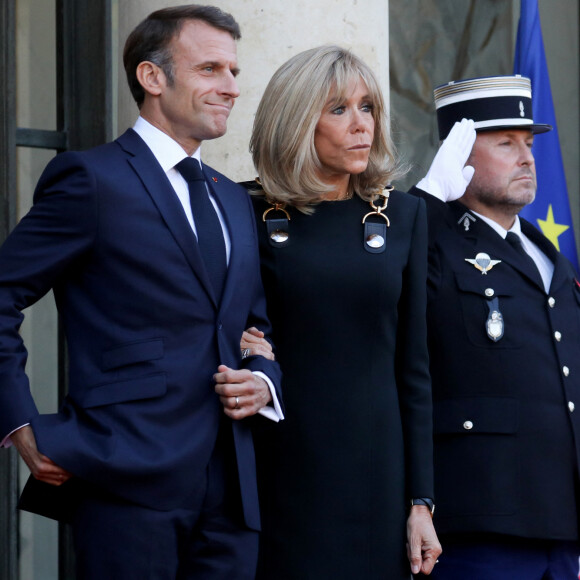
(433, 42)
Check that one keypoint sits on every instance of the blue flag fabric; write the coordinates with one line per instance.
(550, 211)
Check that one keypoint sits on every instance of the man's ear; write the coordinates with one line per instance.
(151, 78)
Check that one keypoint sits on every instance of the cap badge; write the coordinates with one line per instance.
(522, 114)
(483, 262)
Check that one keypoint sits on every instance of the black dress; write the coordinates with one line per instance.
(336, 475)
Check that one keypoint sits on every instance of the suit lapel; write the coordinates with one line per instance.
(159, 188)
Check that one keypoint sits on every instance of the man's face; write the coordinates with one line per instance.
(505, 173)
(197, 105)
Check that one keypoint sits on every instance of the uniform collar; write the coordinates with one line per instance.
(516, 228)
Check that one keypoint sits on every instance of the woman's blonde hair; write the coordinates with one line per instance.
(282, 143)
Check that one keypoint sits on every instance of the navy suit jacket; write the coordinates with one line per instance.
(145, 335)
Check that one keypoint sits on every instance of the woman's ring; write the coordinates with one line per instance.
(237, 403)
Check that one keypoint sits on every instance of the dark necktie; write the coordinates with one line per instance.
(516, 243)
(210, 235)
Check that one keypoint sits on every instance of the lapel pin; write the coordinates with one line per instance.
(483, 262)
(466, 220)
(215, 179)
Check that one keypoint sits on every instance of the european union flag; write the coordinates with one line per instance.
(551, 209)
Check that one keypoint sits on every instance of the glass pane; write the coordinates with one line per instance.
(36, 108)
(38, 557)
(36, 64)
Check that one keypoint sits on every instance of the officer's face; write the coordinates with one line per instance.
(505, 173)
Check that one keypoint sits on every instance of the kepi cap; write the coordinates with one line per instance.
(501, 102)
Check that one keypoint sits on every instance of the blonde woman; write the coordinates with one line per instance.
(347, 302)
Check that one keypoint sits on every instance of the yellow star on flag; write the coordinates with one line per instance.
(551, 229)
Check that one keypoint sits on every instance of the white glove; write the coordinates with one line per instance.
(448, 176)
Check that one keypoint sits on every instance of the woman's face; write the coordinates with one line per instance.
(344, 134)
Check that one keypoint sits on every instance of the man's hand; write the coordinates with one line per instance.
(241, 392)
(41, 467)
(423, 547)
(448, 176)
(253, 343)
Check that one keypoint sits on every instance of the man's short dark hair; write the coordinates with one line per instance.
(151, 39)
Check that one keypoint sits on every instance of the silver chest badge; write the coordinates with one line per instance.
(494, 324)
(483, 262)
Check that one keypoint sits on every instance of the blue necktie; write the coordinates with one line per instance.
(210, 236)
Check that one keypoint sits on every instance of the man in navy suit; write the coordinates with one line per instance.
(504, 339)
(153, 440)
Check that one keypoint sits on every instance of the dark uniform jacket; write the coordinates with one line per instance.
(506, 412)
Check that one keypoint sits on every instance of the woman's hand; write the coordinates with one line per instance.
(423, 547)
(253, 343)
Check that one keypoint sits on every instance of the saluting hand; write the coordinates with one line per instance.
(448, 176)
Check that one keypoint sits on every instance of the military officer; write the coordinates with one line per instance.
(504, 339)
